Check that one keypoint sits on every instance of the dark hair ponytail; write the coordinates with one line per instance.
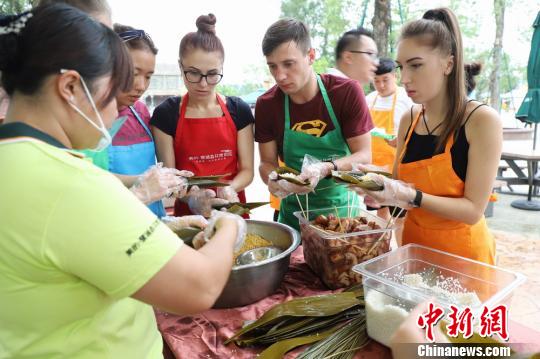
(471, 70)
(205, 38)
(59, 37)
(439, 29)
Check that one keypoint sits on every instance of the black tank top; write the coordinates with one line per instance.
(421, 147)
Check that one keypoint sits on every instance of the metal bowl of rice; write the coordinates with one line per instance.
(252, 282)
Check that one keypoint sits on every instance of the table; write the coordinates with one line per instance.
(532, 158)
(202, 336)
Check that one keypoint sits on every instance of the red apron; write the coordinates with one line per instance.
(206, 147)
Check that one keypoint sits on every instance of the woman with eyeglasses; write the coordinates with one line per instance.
(82, 261)
(448, 146)
(204, 132)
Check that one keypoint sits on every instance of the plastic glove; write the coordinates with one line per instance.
(182, 173)
(228, 193)
(199, 240)
(392, 142)
(368, 167)
(282, 188)
(158, 182)
(214, 224)
(177, 223)
(314, 173)
(395, 193)
(202, 201)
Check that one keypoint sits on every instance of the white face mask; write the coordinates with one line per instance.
(106, 138)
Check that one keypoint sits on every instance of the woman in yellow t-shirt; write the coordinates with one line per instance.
(82, 268)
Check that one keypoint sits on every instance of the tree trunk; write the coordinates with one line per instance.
(381, 24)
(496, 54)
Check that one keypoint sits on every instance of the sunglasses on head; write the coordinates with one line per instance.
(133, 34)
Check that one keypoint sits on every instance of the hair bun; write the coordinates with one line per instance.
(9, 57)
(206, 23)
(473, 68)
(435, 14)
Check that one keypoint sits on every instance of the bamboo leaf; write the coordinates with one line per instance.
(277, 350)
(315, 306)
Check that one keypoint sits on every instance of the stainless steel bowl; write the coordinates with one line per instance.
(252, 282)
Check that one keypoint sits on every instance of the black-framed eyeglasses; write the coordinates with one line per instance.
(372, 55)
(195, 77)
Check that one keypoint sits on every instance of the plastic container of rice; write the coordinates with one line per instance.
(396, 282)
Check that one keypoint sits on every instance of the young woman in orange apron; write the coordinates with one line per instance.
(445, 210)
(382, 154)
(204, 132)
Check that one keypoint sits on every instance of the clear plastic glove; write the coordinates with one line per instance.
(228, 193)
(392, 142)
(216, 220)
(368, 167)
(202, 201)
(282, 188)
(159, 182)
(178, 223)
(314, 173)
(181, 173)
(395, 193)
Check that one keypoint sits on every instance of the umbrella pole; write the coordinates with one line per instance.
(535, 134)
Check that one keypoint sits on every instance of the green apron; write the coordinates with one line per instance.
(295, 146)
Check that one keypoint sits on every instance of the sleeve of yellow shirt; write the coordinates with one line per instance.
(99, 232)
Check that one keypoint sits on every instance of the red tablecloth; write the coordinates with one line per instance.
(202, 336)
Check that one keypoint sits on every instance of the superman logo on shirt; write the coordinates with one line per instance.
(314, 128)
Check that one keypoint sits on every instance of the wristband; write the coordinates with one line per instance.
(417, 201)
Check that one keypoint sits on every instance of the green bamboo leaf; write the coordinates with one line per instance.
(315, 306)
(205, 183)
(277, 350)
(357, 179)
(300, 328)
(289, 174)
(342, 344)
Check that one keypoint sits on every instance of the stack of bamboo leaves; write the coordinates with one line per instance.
(335, 322)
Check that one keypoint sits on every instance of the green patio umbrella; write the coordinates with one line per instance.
(529, 111)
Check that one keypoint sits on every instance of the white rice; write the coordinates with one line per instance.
(384, 316)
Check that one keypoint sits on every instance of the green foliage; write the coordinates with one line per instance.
(15, 6)
(237, 90)
(327, 20)
(510, 77)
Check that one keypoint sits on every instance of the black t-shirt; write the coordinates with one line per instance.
(165, 116)
(421, 147)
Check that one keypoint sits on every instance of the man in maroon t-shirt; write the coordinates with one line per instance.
(336, 132)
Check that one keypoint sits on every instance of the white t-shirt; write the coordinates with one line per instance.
(336, 72)
(403, 104)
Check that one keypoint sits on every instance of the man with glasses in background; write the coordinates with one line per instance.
(356, 56)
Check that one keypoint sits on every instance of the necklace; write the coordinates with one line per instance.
(425, 122)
